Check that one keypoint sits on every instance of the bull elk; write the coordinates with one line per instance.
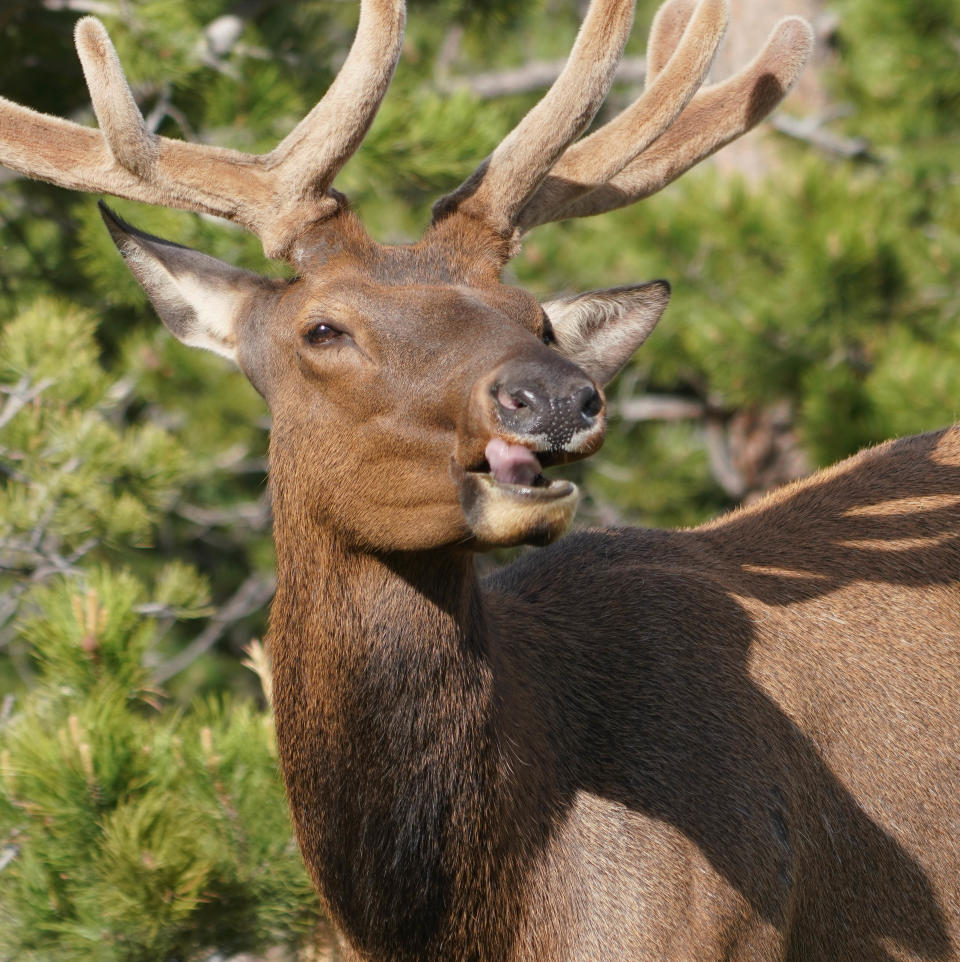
(736, 742)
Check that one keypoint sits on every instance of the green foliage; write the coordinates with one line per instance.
(75, 475)
(139, 832)
(672, 454)
(899, 66)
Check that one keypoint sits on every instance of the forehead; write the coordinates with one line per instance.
(397, 284)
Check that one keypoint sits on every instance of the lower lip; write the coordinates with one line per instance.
(551, 491)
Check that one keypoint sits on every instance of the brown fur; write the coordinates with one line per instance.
(736, 742)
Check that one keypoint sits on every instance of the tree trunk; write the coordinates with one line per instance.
(750, 24)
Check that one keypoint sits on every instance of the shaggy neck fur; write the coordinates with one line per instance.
(387, 725)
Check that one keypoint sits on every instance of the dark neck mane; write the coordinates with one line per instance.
(385, 723)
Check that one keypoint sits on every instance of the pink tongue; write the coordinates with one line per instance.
(511, 463)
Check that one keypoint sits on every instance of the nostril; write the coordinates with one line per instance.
(588, 400)
(514, 400)
(505, 399)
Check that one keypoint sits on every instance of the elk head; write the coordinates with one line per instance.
(415, 397)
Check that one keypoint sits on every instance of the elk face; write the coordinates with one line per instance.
(415, 399)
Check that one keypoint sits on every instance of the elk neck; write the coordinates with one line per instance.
(387, 730)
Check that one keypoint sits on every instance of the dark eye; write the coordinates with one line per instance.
(546, 333)
(321, 333)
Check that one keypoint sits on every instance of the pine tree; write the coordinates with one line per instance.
(130, 828)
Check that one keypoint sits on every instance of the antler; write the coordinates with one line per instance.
(499, 187)
(648, 145)
(274, 195)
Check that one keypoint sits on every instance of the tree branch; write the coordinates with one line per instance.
(255, 592)
(249, 515)
(536, 75)
(19, 396)
(659, 407)
(100, 8)
(811, 130)
(722, 466)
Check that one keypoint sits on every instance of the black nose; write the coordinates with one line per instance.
(550, 409)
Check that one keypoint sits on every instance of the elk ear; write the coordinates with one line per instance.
(600, 330)
(198, 297)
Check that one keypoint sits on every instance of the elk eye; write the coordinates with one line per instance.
(546, 333)
(321, 333)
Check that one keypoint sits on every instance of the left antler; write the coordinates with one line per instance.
(274, 195)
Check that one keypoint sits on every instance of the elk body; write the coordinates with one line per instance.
(737, 742)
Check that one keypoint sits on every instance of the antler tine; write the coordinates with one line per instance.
(716, 116)
(312, 154)
(500, 186)
(596, 159)
(131, 144)
(123, 158)
(275, 196)
(669, 24)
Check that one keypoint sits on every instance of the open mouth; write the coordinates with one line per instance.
(519, 472)
(507, 501)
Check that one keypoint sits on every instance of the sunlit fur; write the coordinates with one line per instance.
(736, 742)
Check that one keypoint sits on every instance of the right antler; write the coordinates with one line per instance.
(538, 174)
(274, 195)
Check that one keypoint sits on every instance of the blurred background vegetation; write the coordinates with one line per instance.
(815, 310)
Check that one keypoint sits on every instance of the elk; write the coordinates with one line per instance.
(735, 742)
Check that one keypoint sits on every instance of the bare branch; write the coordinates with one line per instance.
(249, 515)
(44, 565)
(447, 55)
(722, 468)
(255, 591)
(7, 854)
(659, 407)
(811, 130)
(20, 396)
(536, 75)
(99, 8)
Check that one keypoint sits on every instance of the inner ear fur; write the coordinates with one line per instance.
(600, 330)
(200, 299)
